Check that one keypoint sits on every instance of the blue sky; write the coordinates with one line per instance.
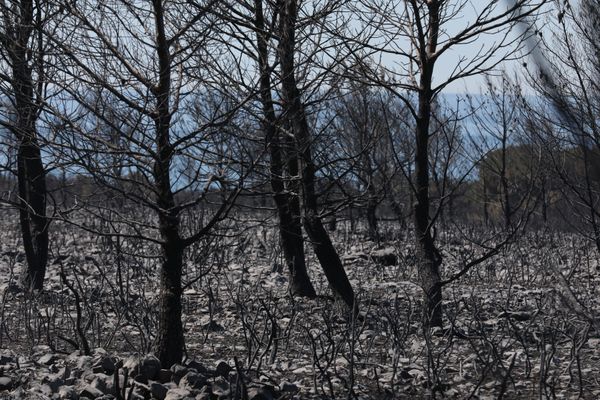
(447, 62)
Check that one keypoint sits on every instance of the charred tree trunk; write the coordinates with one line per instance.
(352, 219)
(486, 212)
(169, 339)
(169, 343)
(333, 223)
(293, 224)
(287, 202)
(428, 257)
(294, 112)
(31, 174)
(293, 251)
(32, 212)
(507, 210)
(544, 195)
(372, 222)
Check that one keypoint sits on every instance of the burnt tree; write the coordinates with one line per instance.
(165, 168)
(416, 33)
(294, 112)
(281, 163)
(22, 46)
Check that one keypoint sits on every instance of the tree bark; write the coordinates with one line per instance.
(169, 343)
(286, 201)
(32, 212)
(428, 257)
(31, 174)
(294, 112)
(169, 339)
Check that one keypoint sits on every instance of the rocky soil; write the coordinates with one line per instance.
(509, 330)
(45, 374)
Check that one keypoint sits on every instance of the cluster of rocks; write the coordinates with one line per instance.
(105, 377)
